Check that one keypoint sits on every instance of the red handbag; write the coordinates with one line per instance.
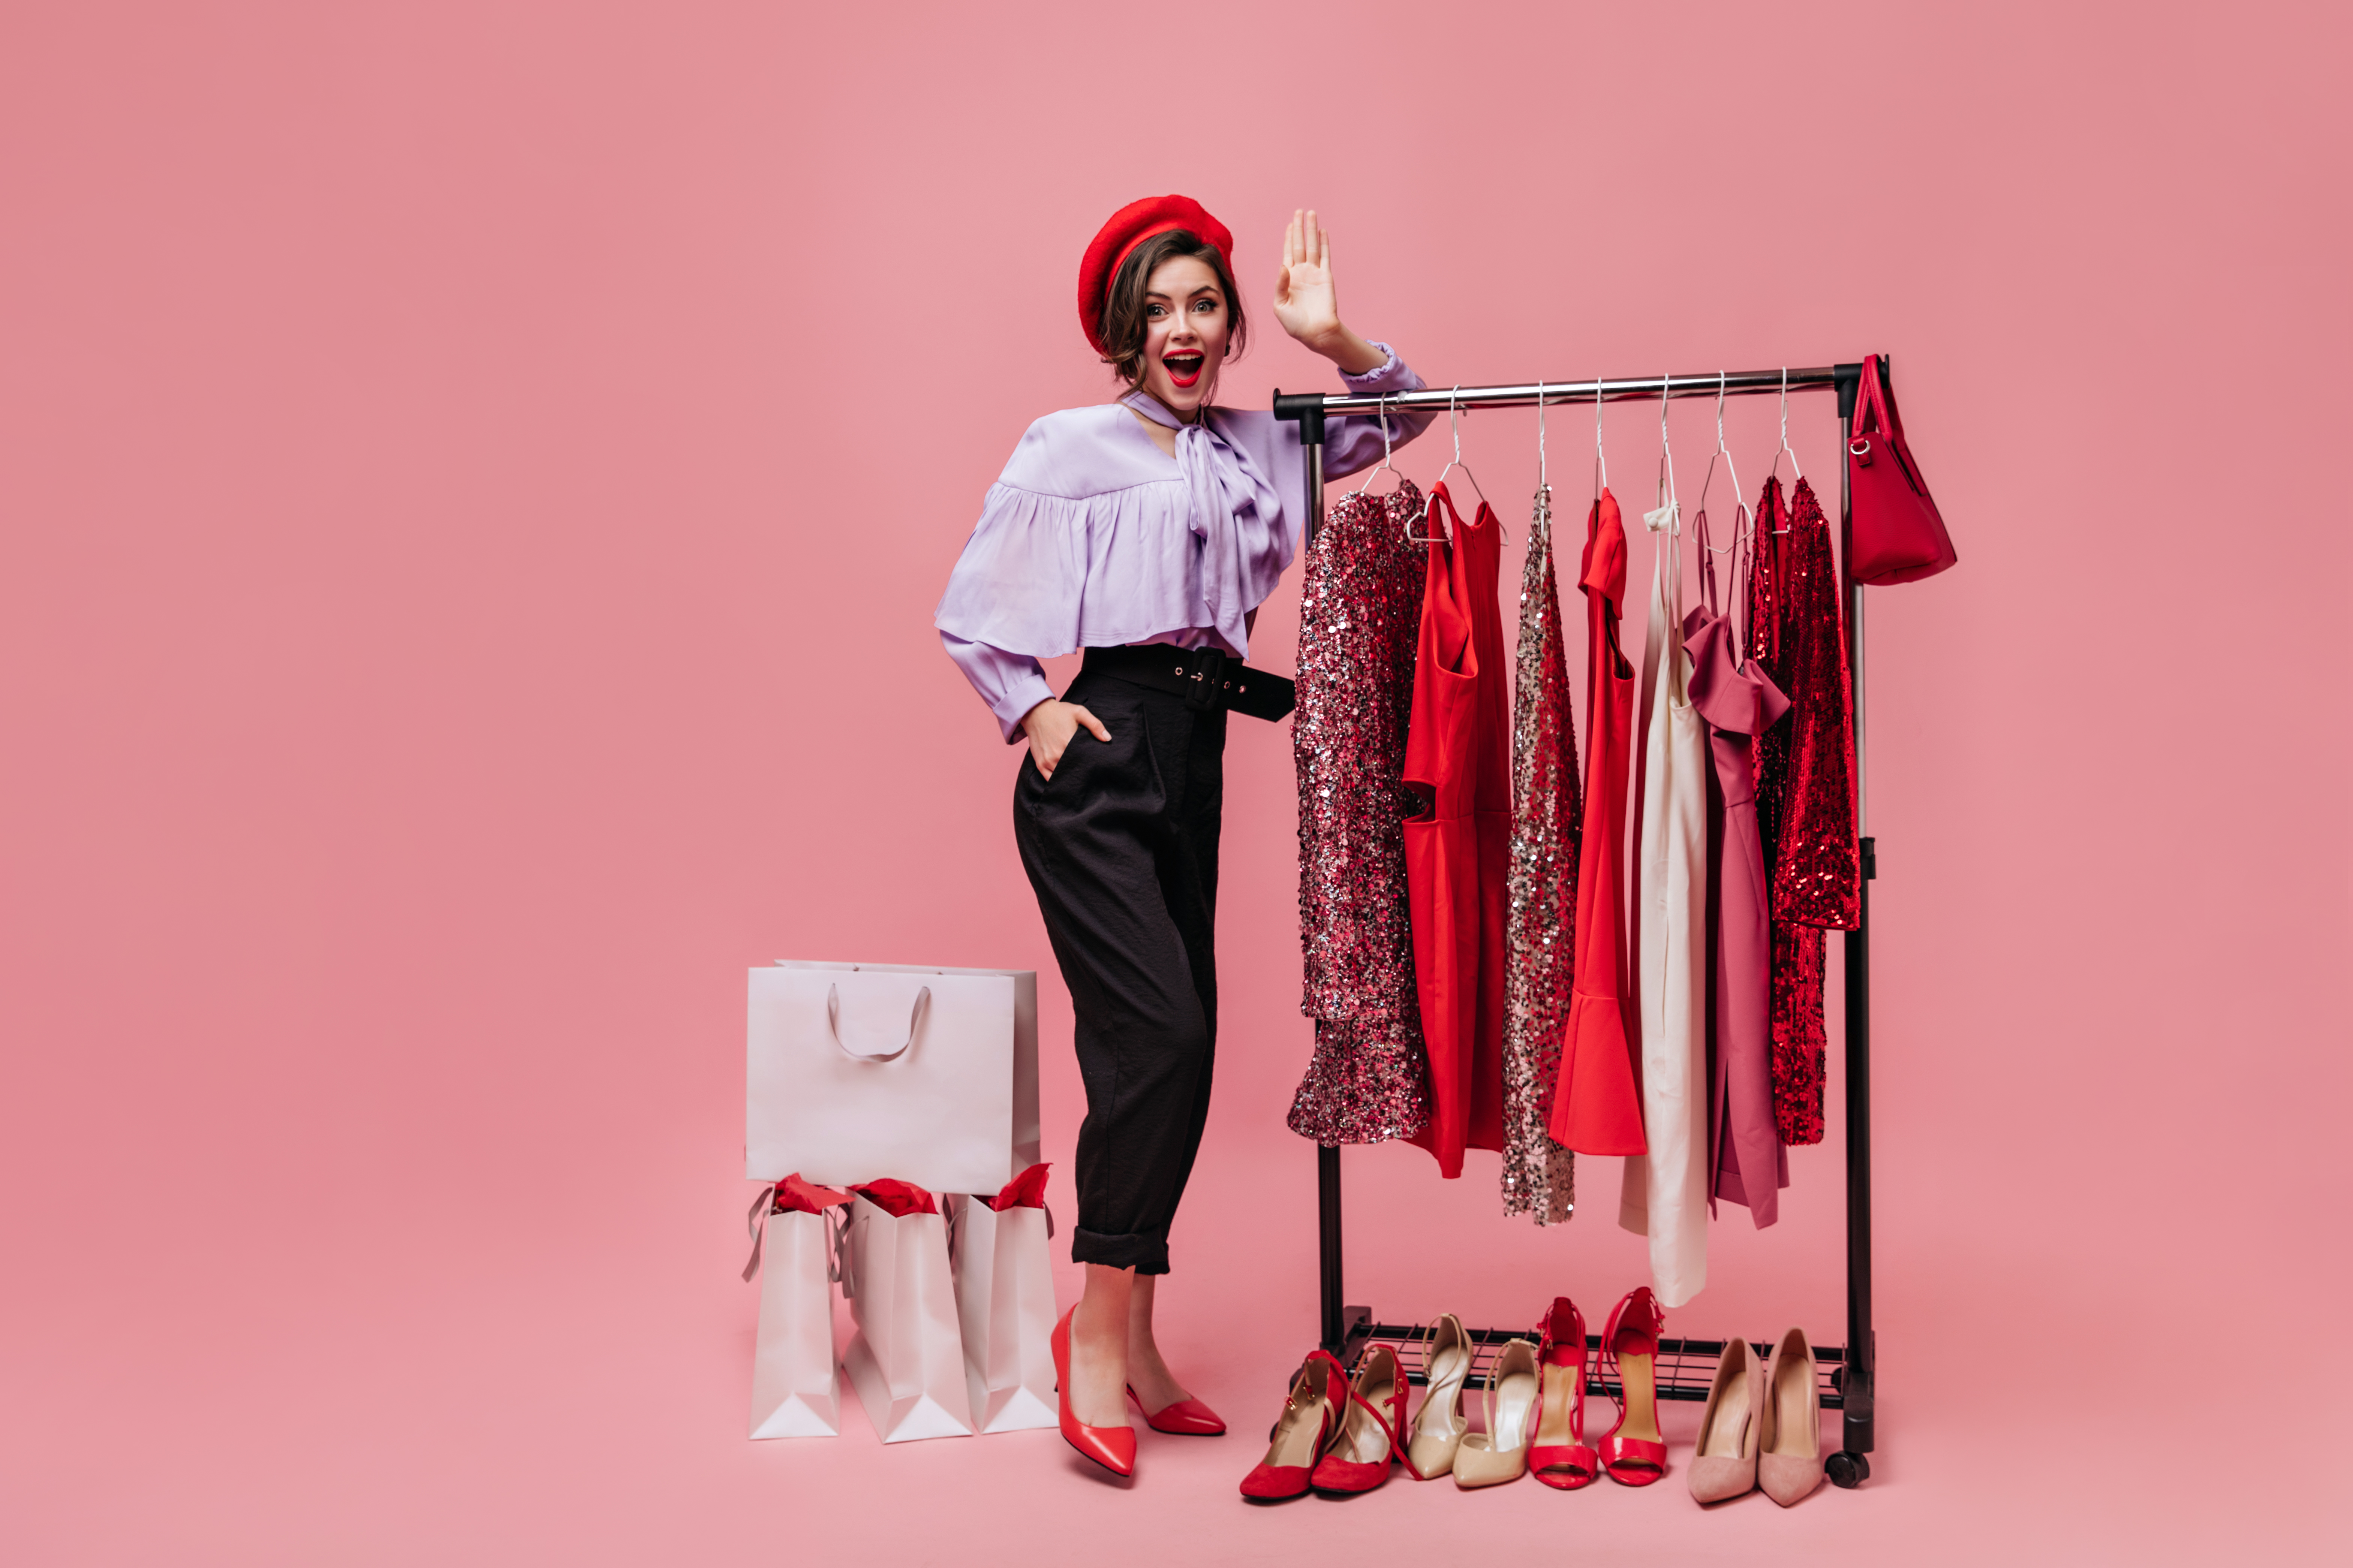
(1898, 536)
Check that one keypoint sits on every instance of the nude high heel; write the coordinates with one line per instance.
(1500, 1454)
(1634, 1451)
(1789, 1454)
(1724, 1464)
(1439, 1424)
(1559, 1452)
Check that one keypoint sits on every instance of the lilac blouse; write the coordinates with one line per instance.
(1093, 537)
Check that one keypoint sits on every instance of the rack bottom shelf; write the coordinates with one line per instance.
(1684, 1367)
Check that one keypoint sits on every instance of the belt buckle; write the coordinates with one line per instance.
(1206, 688)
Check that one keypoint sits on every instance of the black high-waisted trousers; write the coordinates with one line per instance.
(1120, 845)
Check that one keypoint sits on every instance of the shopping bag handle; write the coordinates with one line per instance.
(914, 1022)
(833, 1252)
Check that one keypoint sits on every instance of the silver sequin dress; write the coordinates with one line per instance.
(1540, 892)
(1359, 607)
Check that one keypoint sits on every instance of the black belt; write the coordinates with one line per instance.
(1206, 677)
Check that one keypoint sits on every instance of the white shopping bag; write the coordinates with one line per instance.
(1005, 1303)
(906, 1360)
(859, 1070)
(794, 1391)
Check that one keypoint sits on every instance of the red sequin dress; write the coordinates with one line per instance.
(1805, 788)
(1540, 892)
(1359, 612)
(1456, 851)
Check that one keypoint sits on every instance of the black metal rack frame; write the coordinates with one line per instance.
(1684, 1366)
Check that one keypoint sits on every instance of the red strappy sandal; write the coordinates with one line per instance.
(1634, 1451)
(1305, 1429)
(1559, 1456)
(1367, 1443)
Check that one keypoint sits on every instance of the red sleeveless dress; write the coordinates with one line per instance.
(1458, 850)
(1596, 1108)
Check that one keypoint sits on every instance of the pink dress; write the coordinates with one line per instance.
(1740, 701)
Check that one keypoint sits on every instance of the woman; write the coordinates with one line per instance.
(1147, 531)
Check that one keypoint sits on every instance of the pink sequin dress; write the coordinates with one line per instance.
(1539, 892)
(1359, 610)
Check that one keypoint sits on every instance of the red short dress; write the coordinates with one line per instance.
(1458, 850)
(1596, 1108)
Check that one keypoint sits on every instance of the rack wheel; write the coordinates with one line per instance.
(1847, 1470)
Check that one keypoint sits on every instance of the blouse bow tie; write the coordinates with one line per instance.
(1232, 510)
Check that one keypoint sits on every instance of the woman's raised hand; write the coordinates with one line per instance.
(1304, 300)
(1049, 726)
(1307, 305)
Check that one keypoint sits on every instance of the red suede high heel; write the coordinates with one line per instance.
(1366, 1445)
(1559, 1456)
(1112, 1448)
(1185, 1418)
(1304, 1432)
(1630, 1346)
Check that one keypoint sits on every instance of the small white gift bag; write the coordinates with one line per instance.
(1004, 1302)
(906, 1360)
(856, 1070)
(795, 1391)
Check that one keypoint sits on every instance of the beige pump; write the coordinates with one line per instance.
(1790, 1462)
(1726, 1463)
(1500, 1454)
(1439, 1424)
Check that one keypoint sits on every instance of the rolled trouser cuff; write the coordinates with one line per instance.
(1145, 1254)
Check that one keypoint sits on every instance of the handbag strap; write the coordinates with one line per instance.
(914, 1022)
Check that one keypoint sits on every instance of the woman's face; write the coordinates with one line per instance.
(1186, 322)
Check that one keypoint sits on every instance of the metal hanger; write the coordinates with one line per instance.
(1601, 461)
(1387, 449)
(1454, 422)
(1541, 525)
(1666, 449)
(1794, 468)
(1742, 520)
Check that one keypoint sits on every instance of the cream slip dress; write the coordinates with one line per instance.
(1665, 1192)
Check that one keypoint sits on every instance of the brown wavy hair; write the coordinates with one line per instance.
(1123, 325)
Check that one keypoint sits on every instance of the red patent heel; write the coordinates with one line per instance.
(1185, 1418)
(1112, 1448)
(1560, 1457)
(1634, 1451)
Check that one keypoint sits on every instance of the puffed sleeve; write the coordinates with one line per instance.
(1010, 684)
(1353, 441)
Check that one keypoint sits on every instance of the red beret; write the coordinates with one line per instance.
(1129, 227)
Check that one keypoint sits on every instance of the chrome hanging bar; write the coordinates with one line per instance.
(1614, 389)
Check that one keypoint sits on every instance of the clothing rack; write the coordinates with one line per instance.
(1684, 1366)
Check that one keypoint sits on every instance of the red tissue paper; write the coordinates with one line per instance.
(1025, 1191)
(795, 1196)
(896, 1198)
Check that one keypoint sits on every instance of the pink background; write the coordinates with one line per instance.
(475, 482)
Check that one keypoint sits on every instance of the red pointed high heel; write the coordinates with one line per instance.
(1560, 1457)
(1185, 1418)
(1634, 1451)
(1366, 1445)
(1304, 1432)
(1112, 1448)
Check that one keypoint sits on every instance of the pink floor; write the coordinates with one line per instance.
(475, 476)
